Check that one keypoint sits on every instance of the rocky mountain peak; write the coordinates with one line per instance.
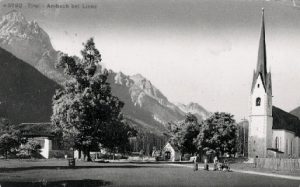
(122, 79)
(138, 77)
(196, 109)
(14, 16)
(147, 87)
(14, 26)
(195, 106)
(28, 41)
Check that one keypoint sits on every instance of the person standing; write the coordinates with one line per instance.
(195, 164)
(206, 167)
(215, 163)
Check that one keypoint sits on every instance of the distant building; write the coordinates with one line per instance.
(42, 133)
(272, 131)
(170, 153)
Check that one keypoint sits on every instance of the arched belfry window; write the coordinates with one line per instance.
(276, 143)
(258, 100)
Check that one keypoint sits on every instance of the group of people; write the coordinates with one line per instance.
(218, 166)
(221, 166)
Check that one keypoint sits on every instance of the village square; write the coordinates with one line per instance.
(69, 120)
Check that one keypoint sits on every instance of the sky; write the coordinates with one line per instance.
(201, 51)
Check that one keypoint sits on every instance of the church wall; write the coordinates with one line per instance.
(297, 147)
(269, 131)
(257, 138)
(279, 134)
(259, 92)
(288, 143)
(260, 123)
(290, 136)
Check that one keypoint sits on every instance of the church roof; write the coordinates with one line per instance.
(261, 67)
(285, 121)
(173, 146)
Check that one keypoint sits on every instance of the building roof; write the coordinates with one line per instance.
(261, 67)
(172, 145)
(36, 129)
(285, 121)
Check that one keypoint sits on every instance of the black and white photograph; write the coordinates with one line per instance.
(153, 93)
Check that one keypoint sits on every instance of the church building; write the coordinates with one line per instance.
(272, 131)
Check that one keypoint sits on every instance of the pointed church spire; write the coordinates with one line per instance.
(261, 67)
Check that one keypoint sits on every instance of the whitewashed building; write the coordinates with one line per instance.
(272, 131)
(41, 132)
(170, 153)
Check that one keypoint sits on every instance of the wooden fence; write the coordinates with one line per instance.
(278, 163)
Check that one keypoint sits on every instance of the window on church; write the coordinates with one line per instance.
(277, 143)
(291, 151)
(258, 100)
(280, 143)
(257, 85)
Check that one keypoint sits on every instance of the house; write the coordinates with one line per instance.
(171, 153)
(272, 131)
(41, 132)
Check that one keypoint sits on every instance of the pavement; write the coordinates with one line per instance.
(251, 172)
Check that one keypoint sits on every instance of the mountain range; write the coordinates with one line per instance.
(25, 94)
(26, 44)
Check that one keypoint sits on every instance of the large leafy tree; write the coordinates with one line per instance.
(85, 111)
(184, 134)
(217, 135)
(10, 138)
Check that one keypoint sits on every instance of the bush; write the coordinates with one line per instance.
(110, 156)
(159, 158)
(31, 149)
(186, 157)
(8, 144)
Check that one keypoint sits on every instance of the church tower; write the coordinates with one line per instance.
(261, 120)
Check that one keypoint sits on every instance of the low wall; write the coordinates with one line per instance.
(60, 153)
(138, 158)
(277, 163)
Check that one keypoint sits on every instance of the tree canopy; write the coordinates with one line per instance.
(85, 111)
(10, 138)
(184, 134)
(217, 135)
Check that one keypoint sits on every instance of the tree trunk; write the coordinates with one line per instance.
(79, 153)
(88, 156)
(6, 154)
(85, 154)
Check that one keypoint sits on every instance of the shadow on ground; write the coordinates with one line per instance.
(66, 183)
(6, 170)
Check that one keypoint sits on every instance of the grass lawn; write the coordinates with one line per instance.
(57, 173)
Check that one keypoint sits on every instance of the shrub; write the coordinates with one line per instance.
(31, 149)
(186, 157)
